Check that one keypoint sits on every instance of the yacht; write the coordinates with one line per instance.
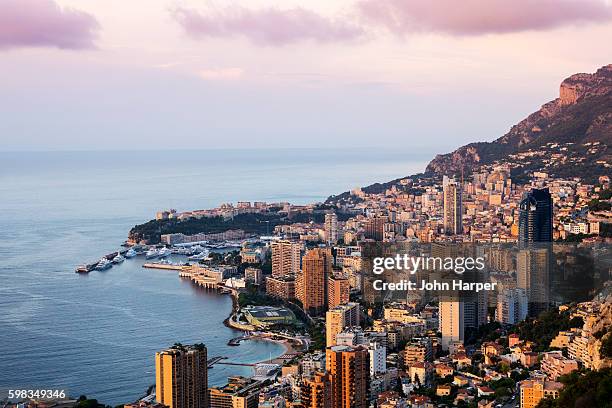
(201, 256)
(103, 265)
(130, 253)
(152, 253)
(164, 252)
(118, 259)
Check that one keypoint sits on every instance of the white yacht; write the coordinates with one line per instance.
(103, 265)
(201, 256)
(164, 252)
(130, 253)
(118, 259)
(152, 253)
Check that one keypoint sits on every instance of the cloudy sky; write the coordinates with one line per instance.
(155, 74)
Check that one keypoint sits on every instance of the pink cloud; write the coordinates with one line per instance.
(43, 23)
(269, 26)
(221, 74)
(474, 17)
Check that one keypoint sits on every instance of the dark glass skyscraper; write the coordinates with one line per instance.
(535, 217)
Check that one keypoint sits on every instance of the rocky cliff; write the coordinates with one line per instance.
(581, 114)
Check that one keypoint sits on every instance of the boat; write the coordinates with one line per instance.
(103, 265)
(130, 253)
(82, 269)
(118, 259)
(201, 256)
(152, 253)
(180, 251)
(163, 252)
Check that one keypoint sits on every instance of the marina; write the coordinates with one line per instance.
(106, 262)
(197, 252)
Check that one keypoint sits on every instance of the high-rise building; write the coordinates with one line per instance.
(512, 306)
(338, 290)
(533, 275)
(453, 210)
(316, 391)
(378, 358)
(451, 322)
(536, 217)
(285, 257)
(338, 318)
(331, 228)
(349, 368)
(181, 377)
(475, 304)
(282, 287)
(374, 227)
(311, 287)
(239, 392)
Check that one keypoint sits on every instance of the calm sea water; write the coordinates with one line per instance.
(97, 334)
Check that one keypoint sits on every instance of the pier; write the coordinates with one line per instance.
(212, 361)
(220, 360)
(155, 265)
(88, 267)
(236, 364)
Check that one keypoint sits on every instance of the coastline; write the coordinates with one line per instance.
(288, 347)
(109, 226)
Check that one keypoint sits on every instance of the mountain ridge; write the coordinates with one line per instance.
(582, 113)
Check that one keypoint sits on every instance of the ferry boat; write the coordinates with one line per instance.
(104, 264)
(118, 259)
(130, 253)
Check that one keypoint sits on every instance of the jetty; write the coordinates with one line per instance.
(221, 360)
(90, 266)
(156, 265)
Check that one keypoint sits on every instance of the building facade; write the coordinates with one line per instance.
(311, 287)
(453, 209)
(338, 318)
(285, 257)
(349, 368)
(536, 217)
(181, 377)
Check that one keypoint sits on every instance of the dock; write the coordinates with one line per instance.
(88, 267)
(220, 360)
(236, 364)
(154, 265)
(212, 361)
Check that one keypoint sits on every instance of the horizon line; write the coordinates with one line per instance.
(187, 149)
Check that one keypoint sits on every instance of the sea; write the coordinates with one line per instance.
(97, 334)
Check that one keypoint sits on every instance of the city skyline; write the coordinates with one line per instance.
(227, 204)
(199, 75)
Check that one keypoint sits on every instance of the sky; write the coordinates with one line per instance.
(169, 74)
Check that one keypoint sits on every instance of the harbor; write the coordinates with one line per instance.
(168, 266)
(195, 252)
